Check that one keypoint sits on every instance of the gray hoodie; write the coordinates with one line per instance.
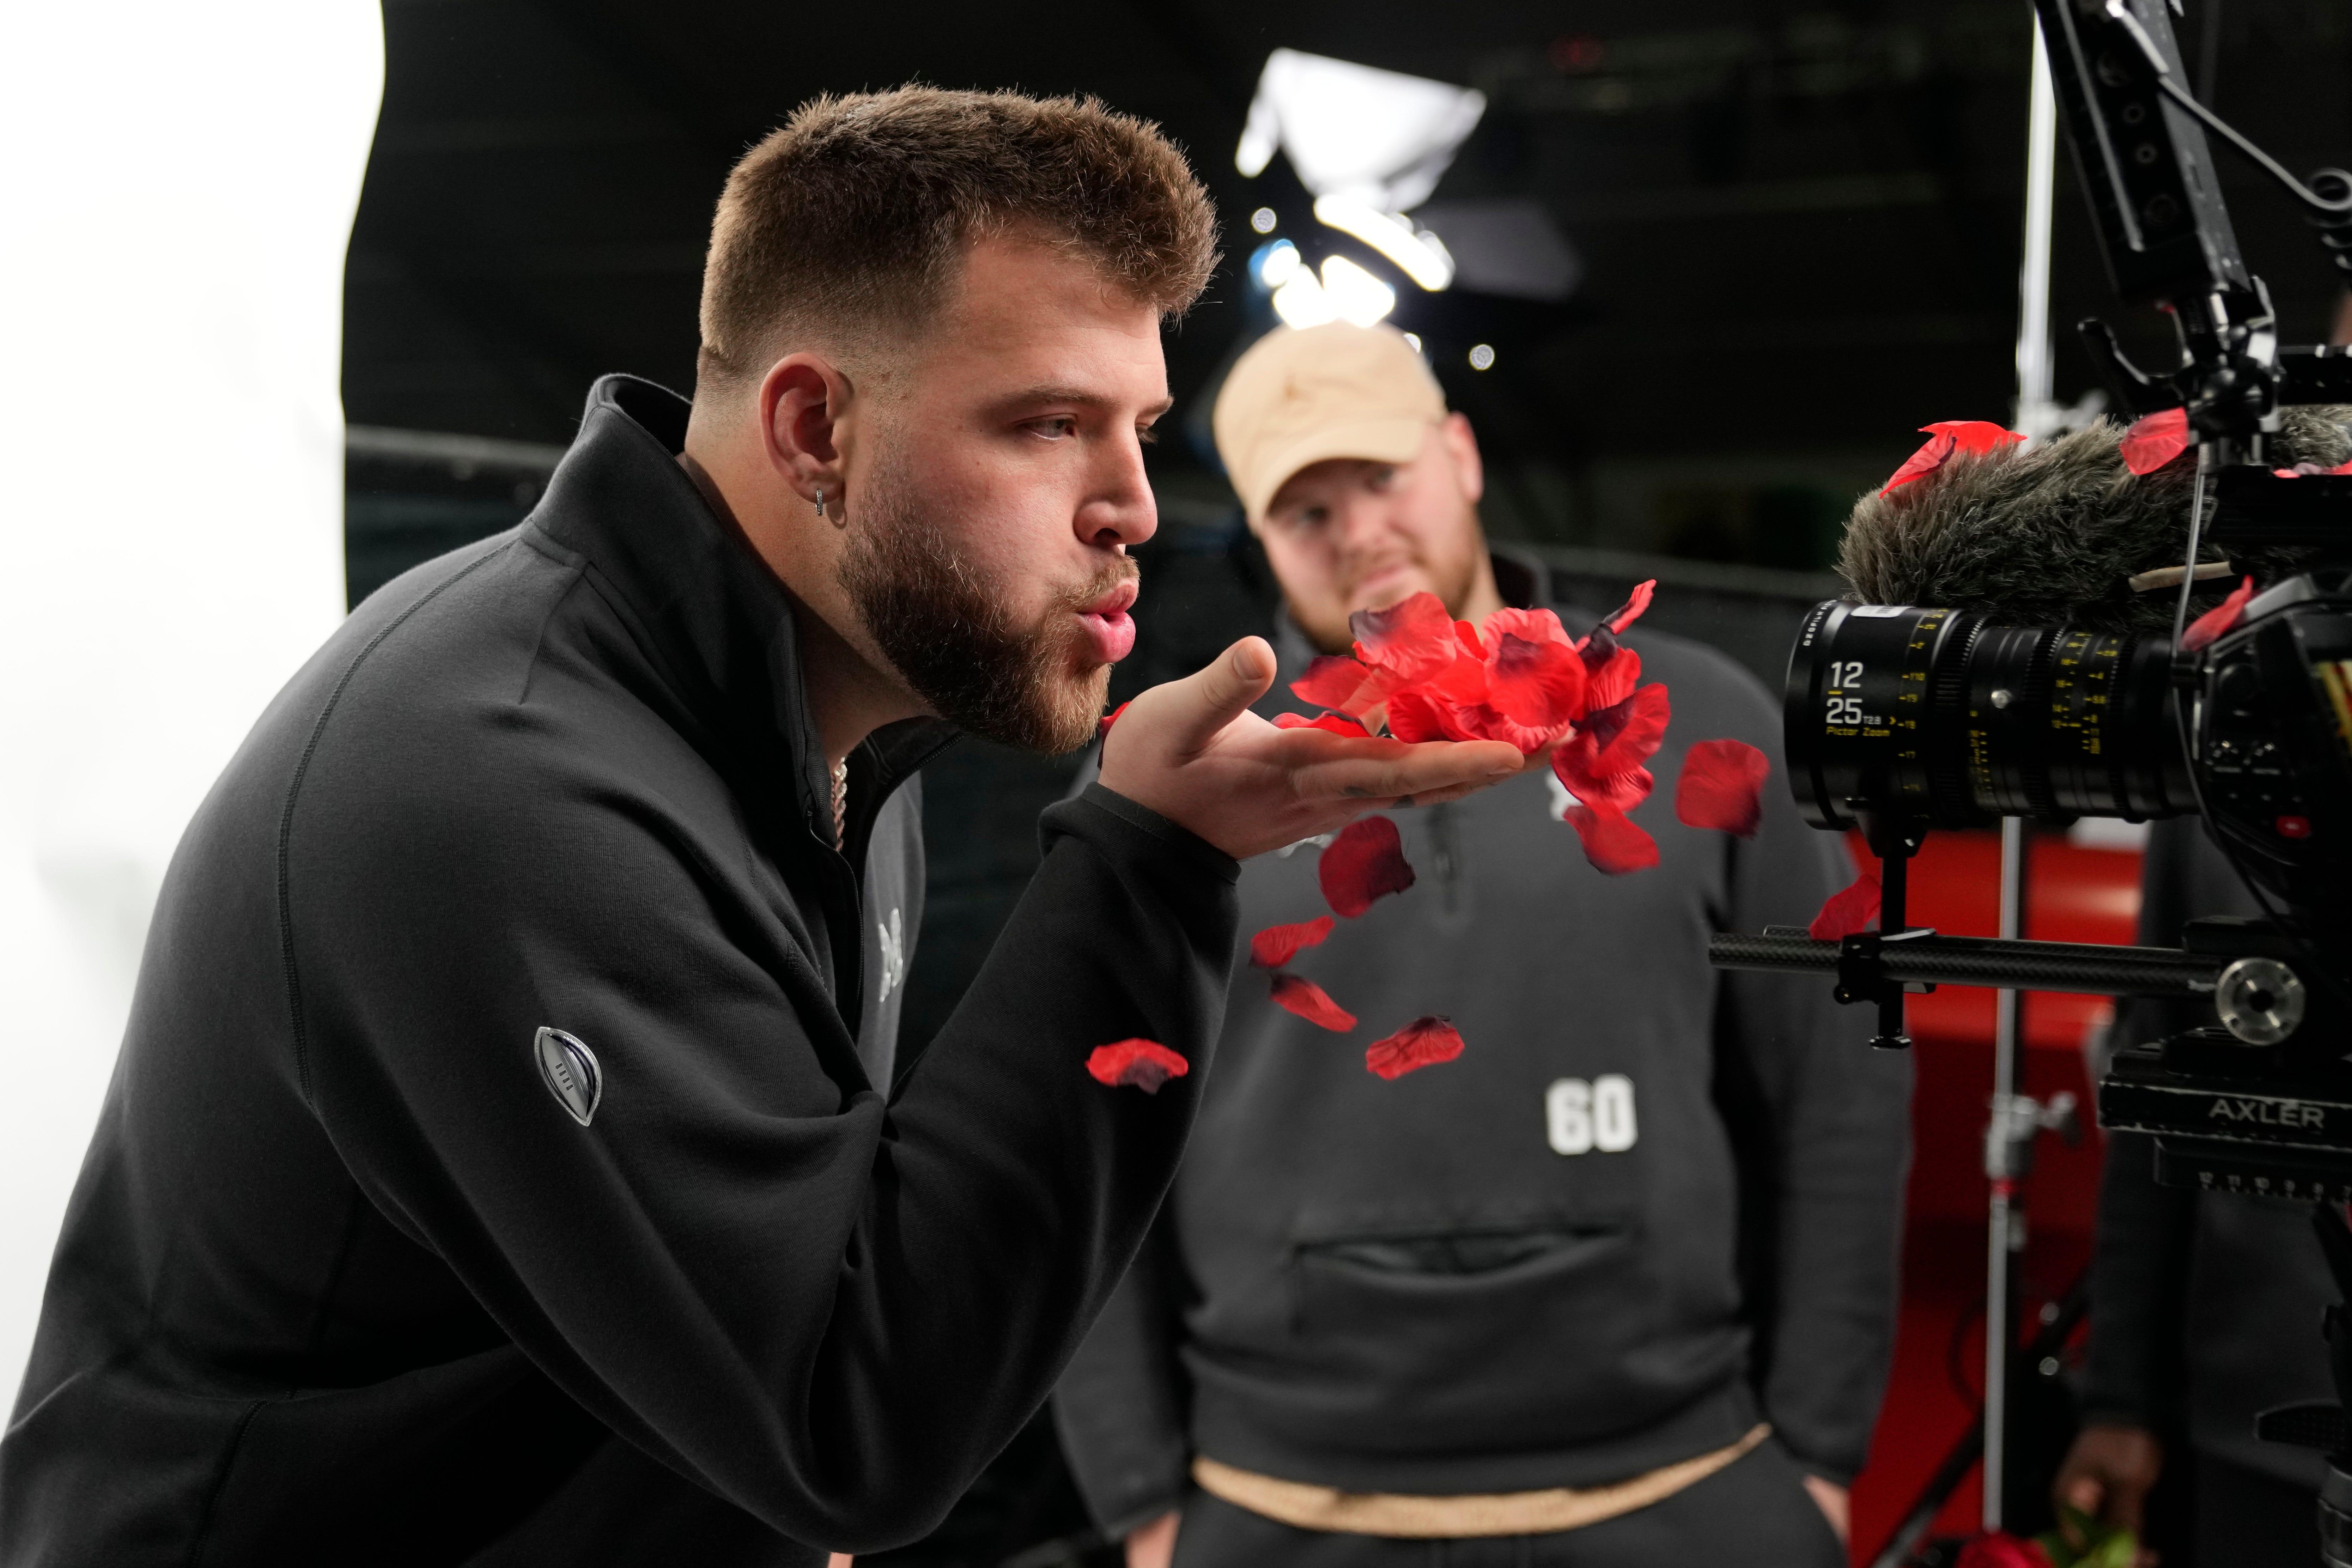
(1651, 1203)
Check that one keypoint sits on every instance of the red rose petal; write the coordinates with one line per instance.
(1112, 718)
(1722, 787)
(1465, 637)
(1629, 732)
(2002, 1549)
(1309, 1000)
(1921, 463)
(1619, 792)
(1423, 1043)
(1612, 679)
(1336, 682)
(1364, 863)
(1539, 685)
(2220, 619)
(1274, 946)
(1337, 723)
(1414, 717)
(1850, 908)
(2155, 439)
(1975, 435)
(1531, 626)
(1626, 613)
(1407, 641)
(1612, 842)
(1136, 1064)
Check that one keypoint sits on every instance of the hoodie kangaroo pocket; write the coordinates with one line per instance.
(1484, 1339)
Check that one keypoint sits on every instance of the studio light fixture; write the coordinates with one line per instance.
(1418, 254)
(1379, 138)
(1355, 294)
(1273, 265)
(1301, 301)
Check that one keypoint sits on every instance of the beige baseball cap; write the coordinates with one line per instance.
(1301, 395)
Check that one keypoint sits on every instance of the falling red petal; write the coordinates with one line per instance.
(1136, 1064)
(1407, 641)
(1112, 718)
(1309, 1000)
(1611, 841)
(1465, 637)
(1850, 908)
(2155, 439)
(1423, 1043)
(1612, 679)
(1626, 613)
(1974, 435)
(1619, 792)
(2220, 619)
(1274, 946)
(1336, 682)
(1921, 463)
(1722, 787)
(1364, 863)
(1539, 685)
(2002, 1549)
(1337, 723)
(1628, 733)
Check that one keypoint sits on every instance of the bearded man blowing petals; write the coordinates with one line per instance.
(507, 1162)
(1614, 1288)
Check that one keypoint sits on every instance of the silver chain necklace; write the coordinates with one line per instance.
(841, 802)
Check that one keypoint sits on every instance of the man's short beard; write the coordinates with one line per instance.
(952, 640)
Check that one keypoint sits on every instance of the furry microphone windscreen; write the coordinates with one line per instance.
(2051, 533)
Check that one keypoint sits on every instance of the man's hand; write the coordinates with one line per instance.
(1154, 1544)
(2107, 1474)
(1835, 1503)
(1192, 751)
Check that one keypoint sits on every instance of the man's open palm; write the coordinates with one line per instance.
(1191, 751)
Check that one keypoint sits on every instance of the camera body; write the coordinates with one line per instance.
(1937, 718)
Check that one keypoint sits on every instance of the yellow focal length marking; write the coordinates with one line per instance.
(2336, 674)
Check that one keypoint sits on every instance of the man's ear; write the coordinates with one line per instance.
(1468, 466)
(803, 401)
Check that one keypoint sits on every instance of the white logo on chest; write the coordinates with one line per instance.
(1580, 1116)
(892, 934)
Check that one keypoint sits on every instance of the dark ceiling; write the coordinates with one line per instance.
(1799, 224)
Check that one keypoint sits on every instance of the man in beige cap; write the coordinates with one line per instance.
(1616, 1287)
(1361, 486)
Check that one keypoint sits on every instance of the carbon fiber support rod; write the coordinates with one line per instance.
(1932, 960)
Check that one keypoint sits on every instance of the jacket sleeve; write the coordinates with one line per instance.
(1820, 1124)
(1122, 1408)
(830, 1309)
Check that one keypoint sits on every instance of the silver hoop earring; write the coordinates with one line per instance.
(820, 501)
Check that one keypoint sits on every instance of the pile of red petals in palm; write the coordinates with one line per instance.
(1518, 677)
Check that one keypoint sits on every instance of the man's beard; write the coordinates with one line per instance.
(953, 640)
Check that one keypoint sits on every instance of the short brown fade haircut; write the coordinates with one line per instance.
(848, 227)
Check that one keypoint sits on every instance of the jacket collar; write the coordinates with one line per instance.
(711, 615)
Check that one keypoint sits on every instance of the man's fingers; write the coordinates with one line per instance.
(1416, 771)
(1221, 691)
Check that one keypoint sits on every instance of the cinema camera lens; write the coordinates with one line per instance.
(1943, 716)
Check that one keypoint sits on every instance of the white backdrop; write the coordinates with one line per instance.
(178, 184)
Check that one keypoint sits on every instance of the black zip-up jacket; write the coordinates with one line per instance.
(2205, 1307)
(1651, 1203)
(345, 1280)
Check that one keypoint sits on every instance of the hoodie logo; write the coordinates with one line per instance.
(569, 1070)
